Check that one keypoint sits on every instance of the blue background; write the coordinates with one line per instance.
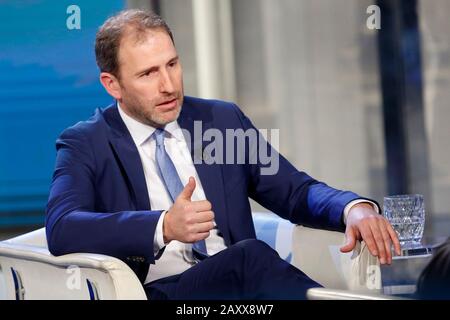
(48, 81)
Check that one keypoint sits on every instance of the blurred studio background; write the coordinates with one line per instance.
(359, 108)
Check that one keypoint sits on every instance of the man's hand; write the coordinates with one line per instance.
(364, 223)
(188, 221)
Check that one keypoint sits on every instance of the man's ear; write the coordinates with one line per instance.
(111, 85)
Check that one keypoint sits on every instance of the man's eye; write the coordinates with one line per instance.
(173, 64)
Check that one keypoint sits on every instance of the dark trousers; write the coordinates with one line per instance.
(249, 269)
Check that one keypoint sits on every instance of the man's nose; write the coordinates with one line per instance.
(166, 84)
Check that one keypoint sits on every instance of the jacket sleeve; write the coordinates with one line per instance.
(292, 194)
(73, 225)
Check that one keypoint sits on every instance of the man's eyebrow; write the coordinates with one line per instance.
(150, 69)
(176, 58)
(155, 68)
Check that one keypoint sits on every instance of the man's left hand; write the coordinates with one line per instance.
(364, 223)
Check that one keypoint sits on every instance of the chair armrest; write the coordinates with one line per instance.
(316, 252)
(333, 294)
(31, 272)
(36, 238)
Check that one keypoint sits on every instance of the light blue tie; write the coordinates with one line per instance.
(173, 183)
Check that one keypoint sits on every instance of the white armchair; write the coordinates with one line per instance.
(29, 271)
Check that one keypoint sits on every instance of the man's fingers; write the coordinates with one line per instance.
(379, 242)
(201, 236)
(386, 239)
(204, 216)
(350, 241)
(203, 205)
(367, 236)
(204, 227)
(394, 237)
(188, 190)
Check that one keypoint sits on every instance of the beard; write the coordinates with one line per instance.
(145, 111)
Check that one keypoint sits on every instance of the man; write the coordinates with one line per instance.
(128, 184)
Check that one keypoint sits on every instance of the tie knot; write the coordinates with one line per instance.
(159, 137)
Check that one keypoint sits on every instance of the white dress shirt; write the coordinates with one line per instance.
(177, 256)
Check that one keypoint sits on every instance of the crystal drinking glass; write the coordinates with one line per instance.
(406, 213)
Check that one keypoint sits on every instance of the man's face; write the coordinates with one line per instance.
(151, 78)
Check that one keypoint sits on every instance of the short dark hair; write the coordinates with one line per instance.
(109, 35)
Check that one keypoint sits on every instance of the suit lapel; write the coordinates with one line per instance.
(210, 175)
(126, 152)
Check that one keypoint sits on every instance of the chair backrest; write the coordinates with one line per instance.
(35, 238)
(276, 232)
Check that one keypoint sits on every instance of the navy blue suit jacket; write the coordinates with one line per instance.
(99, 202)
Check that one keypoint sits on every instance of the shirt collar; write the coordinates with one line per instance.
(140, 132)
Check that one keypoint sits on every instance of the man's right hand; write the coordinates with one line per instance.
(188, 221)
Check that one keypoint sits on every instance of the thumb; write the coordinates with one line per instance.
(188, 190)
(350, 241)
